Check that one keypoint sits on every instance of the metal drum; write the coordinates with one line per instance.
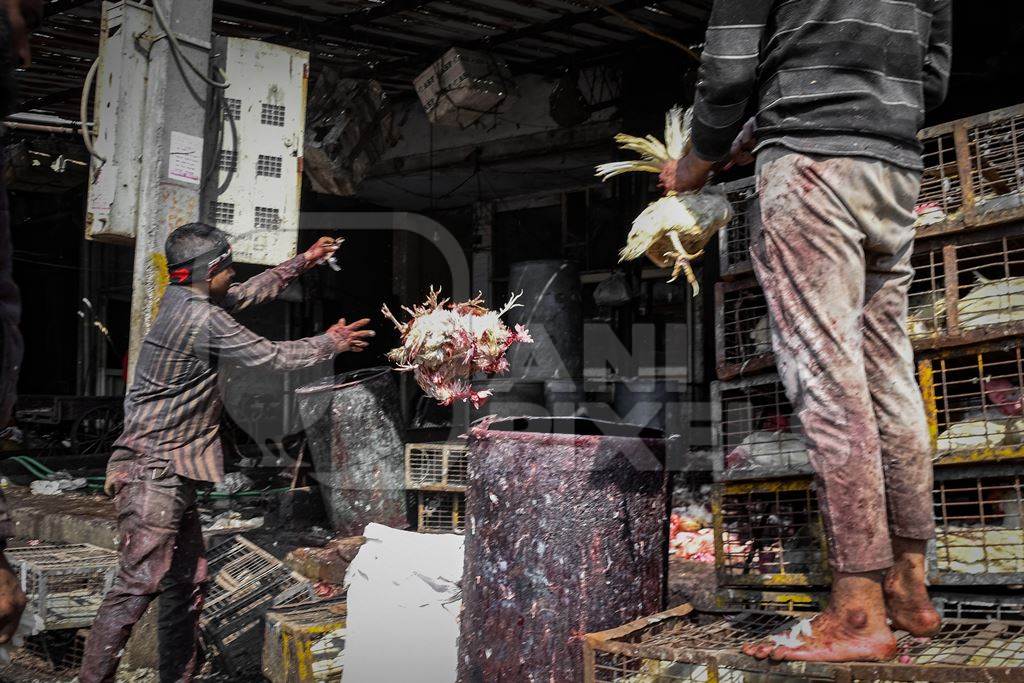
(353, 423)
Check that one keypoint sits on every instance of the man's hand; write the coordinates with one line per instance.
(322, 250)
(12, 601)
(350, 337)
(114, 483)
(742, 152)
(688, 174)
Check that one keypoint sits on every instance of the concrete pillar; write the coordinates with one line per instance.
(174, 116)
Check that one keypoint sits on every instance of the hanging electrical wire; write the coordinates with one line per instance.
(636, 25)
(179, 56)
(84, 112)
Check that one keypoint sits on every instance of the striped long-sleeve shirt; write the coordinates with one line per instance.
(833, 77)
(173, 409)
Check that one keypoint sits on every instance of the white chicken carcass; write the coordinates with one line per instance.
(773, 446)
(673, 230)
(992, 302)
(999, 423)
(445, 344)
(972, 435)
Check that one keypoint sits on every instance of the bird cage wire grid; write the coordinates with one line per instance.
(757, 434)
(974, 403)
(972, 605)
(436, 466)
(967, 288)
(64, 584)
(441, 512)
(769, 534)
(246, 581)
(684, 646)
(973, 172)
(979, 539)
(743, 334)
(734, 238)
(771, 601)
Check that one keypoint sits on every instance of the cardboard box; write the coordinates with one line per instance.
(462, 86)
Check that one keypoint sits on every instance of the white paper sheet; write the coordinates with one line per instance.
(403, 607)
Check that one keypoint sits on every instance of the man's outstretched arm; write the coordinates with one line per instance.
(269, 284)
(227, 339)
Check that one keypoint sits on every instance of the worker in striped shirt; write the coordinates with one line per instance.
(838, 89)
(171, 442)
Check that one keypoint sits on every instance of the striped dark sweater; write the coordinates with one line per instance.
(172, 412)
(833, 77)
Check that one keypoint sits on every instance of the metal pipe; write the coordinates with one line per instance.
(38, 128)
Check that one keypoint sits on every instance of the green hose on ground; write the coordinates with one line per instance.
(41, 471)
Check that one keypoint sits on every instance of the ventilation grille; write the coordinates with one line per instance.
(267, 218)
(268, 166)
(222, 213)
(272, 115)
(232, 109)
(228, 161)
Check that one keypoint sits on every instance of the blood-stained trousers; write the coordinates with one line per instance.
(162, 554)
(832, 254)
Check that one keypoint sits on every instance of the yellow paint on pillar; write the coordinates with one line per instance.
(161, 280)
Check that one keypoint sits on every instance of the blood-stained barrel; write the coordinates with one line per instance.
(353, 423)
(566, 534)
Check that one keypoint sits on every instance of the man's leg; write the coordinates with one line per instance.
(899, 408)
(148, 518)
(181, 602)
(809, 259)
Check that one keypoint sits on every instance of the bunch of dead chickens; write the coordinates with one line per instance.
(444, 344)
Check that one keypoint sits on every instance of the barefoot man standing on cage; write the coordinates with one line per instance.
(839, 88)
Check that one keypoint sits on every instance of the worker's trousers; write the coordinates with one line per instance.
(162, 553)
(832, 254)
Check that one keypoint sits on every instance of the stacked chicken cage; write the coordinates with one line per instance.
(436, 476)
(967, 325)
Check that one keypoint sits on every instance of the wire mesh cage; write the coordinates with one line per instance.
(972, 605)
(771, 601)
(436, 466)
(64, 584)
(974, 403)
(305, 642)
(734, 238)
(683, 645)
(974, 172)
(756, 433)
(742, 335)
(440, 512)
(979, 540)
(769, 534)
(968, 288)
(57, 653)
(245, 581)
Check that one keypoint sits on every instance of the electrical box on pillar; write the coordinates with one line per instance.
(255, 136)
(116, 135)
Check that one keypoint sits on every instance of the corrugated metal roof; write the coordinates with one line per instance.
(390, 40)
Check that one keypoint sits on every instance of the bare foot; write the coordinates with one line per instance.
(908, 605)
(906, 591)
(850, 637)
